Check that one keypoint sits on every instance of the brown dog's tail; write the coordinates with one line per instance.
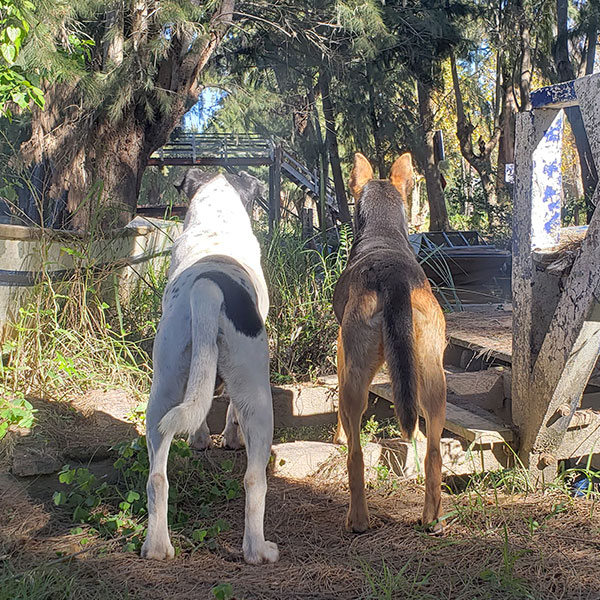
(398, 348)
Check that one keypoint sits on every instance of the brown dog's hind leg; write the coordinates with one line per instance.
(359, 346)
(340, 436)
(430, 341)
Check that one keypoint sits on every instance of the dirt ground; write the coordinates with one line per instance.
(496, 546)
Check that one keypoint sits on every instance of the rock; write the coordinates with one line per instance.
(30, 461)
(401, 458)
(303, 459)
(297, 460)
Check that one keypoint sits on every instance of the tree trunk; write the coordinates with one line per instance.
(438, 214)
(377, 139)
(526, 67)
(332, 145)
(506, 143)
(95, 161)
(323, 169)
(592, 37)
(480, 161)
(565, 72)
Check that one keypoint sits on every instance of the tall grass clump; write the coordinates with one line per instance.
(75, 333)
(301, 326)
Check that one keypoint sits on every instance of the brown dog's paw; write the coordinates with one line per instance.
(357, 521)
(435, 527)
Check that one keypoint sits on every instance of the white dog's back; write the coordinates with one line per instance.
(217, 224)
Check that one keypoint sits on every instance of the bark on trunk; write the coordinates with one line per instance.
(438, 214)
(332, 145)
(592, 37)
(94, 162)
(375, 125)
(506, 143)
(526, 67)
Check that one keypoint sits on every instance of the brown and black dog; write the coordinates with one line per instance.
(387, 312)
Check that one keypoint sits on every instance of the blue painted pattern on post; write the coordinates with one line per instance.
(554, 96)
(547, 187)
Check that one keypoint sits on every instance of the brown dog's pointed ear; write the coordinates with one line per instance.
(401, 175)
(361, 174)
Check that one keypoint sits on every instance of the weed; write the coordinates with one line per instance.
(14, 410)
(368, 431)
(504, 580)
(386, 584)
(222, 591)
(119, 509)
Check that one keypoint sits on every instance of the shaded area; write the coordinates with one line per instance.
(492, 550)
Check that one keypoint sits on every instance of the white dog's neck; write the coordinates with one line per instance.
(217, 223)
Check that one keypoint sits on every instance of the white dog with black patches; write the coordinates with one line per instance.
(214, 308)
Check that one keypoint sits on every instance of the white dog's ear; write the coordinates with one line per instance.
(193, 180)
(248, 187)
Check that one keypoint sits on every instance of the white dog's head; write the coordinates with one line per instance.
(248, 187)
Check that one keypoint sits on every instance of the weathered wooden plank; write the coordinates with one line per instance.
(560, 95)
(530, 130)
(470, 426)
(479, 349)
(579, 442)
(588, 93)
(560, 380)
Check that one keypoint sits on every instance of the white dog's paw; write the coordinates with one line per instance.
(200, 441)
(263, 552)
(232, 439)
(159, 551)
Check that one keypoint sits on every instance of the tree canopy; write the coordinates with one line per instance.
(337, 76)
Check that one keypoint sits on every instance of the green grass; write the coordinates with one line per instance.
(301, 326)
(385, 583)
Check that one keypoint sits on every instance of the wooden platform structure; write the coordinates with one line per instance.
(556, 322)
(233, 151)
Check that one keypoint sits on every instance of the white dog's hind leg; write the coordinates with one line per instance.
(157, 544)
(250, 392)
(232, 437)
(172, 411)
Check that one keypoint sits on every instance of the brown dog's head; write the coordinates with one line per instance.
(382, 203)
(401, 175)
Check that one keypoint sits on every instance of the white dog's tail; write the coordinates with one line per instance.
(206, 300)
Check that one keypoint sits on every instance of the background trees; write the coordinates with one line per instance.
(136, 77)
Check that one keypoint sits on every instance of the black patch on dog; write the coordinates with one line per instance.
(239, 305)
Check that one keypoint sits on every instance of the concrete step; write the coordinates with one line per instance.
(297, 460)
(474, 424)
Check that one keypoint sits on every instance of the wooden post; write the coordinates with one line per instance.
(556, 324)
(308, 232)
(275, 189)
